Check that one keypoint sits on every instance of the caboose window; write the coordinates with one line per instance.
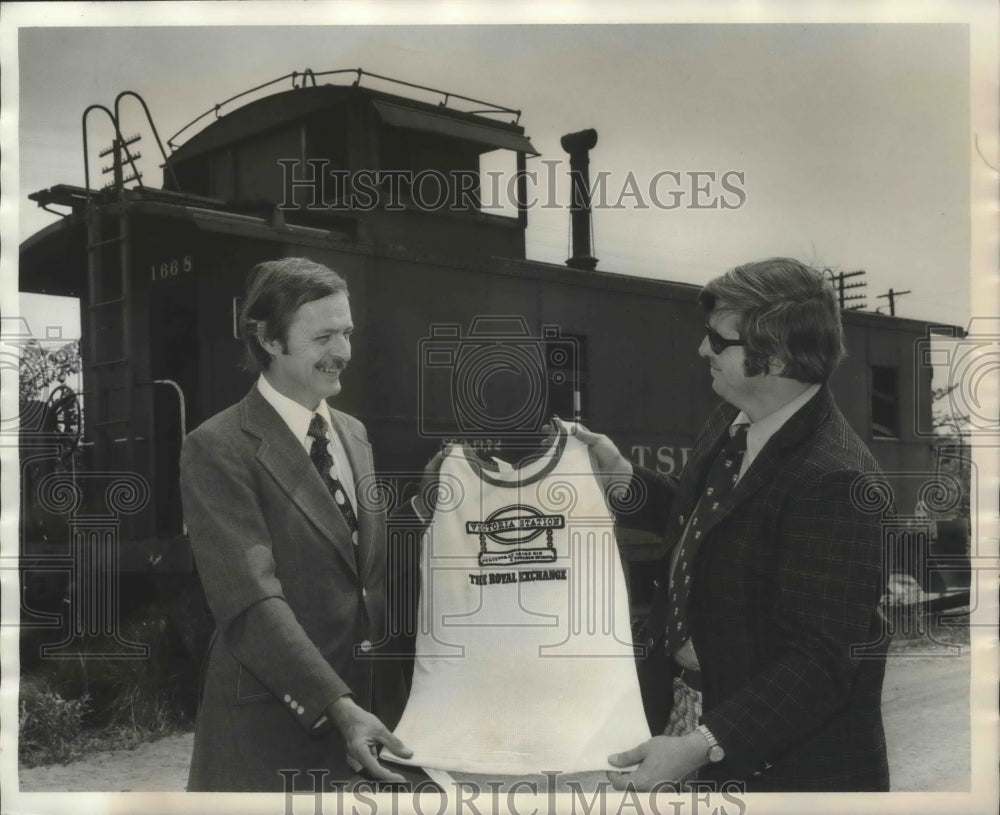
(885, 402)
(498, 183)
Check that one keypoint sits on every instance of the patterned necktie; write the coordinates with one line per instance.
(724, 474)
(327, 467)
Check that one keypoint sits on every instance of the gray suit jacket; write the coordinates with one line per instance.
(297, 620)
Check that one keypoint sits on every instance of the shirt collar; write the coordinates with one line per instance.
(296, 416)
(760, 432)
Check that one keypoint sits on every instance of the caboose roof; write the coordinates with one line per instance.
(396, 111)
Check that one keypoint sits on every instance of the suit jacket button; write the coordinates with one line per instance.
(650, 642)
(300, 710)
(366, 646)
(287, 698)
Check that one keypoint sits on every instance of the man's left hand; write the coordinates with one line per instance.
(662, 758)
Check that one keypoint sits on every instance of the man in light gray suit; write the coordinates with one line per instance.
(293, 565)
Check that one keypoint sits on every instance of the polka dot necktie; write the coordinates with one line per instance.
(327, 467)
(722, 477)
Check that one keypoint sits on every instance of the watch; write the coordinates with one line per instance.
(715, 751)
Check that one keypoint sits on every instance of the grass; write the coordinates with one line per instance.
(70, 708)
(53, 729)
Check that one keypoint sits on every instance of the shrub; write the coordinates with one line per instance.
(140, 695)
(70, 706)
(49, 726)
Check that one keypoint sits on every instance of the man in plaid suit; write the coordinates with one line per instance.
(776, 683)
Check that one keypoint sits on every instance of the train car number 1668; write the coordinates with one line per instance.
(171, 268)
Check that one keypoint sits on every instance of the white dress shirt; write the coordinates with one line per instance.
(759, 433)
(298, 417)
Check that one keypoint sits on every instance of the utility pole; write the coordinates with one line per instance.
(842, 288)
(117, 149)
(892, 295)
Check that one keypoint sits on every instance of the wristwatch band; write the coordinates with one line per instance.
(715, 751)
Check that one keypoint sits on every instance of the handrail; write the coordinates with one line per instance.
(156, 135)
(115, 118)
(86, 158)
(183, 416)
(181, 401)
(309, 75)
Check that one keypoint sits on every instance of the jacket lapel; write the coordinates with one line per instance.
(283, 456)
(768, 461)
(359, 454)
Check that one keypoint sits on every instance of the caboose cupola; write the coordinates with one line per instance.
(385, 169)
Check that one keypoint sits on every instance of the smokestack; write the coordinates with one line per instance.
(578, 145)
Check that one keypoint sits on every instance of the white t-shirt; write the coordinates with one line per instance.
(524, 656)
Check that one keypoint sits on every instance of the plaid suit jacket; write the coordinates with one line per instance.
(783, 607)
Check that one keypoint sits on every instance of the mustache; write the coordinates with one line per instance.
(336, 362)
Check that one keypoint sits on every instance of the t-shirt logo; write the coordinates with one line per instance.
(512, 527)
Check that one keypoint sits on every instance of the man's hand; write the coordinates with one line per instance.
(363, 734)
(425, 500)
(662, 758)
(612, 468)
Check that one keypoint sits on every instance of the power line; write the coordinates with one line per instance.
(892, 295)
(848, 301)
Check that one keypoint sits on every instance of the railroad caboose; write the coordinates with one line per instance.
(391, 192)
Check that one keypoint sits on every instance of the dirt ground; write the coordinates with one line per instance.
(925, 705)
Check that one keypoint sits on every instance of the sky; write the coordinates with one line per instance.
(850, 143)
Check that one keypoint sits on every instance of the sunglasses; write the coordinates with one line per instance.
(717, 342)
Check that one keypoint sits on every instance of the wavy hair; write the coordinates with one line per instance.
(785, 311)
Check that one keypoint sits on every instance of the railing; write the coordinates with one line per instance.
(120, 143)
(308, 76)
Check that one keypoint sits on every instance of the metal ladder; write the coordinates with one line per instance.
(109, 371)
(106, 503)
